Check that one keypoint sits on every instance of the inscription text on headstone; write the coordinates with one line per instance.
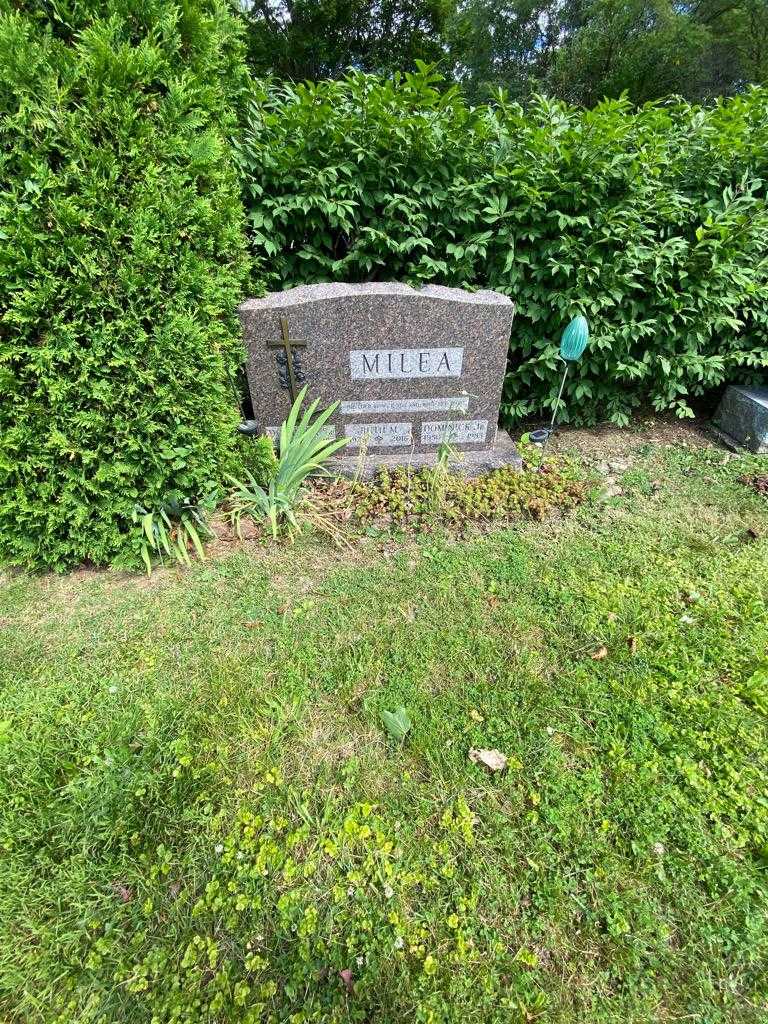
(396, 363)
(326, 433)
(450, 403)
(378, 435)
(454, 431)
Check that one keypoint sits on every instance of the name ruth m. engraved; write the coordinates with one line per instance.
(399, 363)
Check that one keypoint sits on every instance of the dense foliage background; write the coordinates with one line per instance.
(122, 259)
(130, 136)
(653, 223)
(577, 50)
(320, 39)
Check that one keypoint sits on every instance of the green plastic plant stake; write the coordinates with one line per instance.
(574, 340)
(572, 344)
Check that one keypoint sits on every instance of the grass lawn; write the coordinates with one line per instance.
(203, 819)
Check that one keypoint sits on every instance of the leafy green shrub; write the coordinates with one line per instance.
(121, 264)
(652, 223)
(256, 455)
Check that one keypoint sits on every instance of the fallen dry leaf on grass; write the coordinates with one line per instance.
(493, 760)
(253, 623)
(346, 977)
(121, 890)
(600, 653)
(632, 644)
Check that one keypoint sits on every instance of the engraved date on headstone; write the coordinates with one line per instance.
(454, 431)
(378, 435)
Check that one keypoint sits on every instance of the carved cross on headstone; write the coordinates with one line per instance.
(288, 360)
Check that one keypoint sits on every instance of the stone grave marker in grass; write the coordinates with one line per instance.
(410, 368)
(741, 420)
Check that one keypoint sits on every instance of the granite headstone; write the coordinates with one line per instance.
(742, 418)
(411, 368)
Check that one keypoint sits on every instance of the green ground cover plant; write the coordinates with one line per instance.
(122, 260)
(428, 496)
(205, 818)
(652, 223)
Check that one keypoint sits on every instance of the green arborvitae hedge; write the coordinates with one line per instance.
(121, 264)
(653, 223)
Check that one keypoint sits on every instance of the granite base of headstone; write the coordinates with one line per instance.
(411, 369)
(503, 452)
(741, 420)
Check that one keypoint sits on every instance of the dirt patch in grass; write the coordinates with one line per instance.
(326, 743)
(61, 597)
(607, 441)
(757, 483)
(319, 744)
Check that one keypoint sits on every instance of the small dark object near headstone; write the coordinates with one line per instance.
(540, 436)
(248, 427)
(741, 420)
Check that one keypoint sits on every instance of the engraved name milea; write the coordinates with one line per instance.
(401, 363)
